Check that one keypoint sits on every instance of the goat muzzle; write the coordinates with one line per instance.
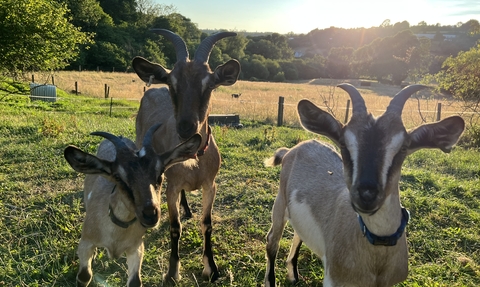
(150, 216)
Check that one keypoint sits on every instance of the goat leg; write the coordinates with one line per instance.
(292, 259)
(134, 262)
(210, 270)
(173, 274)
(86, 251)
(184, 204)
(273, 237)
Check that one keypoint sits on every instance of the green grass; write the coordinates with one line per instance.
(41, 204)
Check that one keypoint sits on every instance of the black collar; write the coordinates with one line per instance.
(385, 240)
(115, 219)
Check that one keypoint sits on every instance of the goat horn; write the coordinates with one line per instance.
(178, 43)
(358, 103)
(117, 142)
(398, 102)
(147, 139)
(203, 51)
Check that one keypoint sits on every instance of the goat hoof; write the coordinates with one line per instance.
(211, 276)
(84, 277)
(171, 279)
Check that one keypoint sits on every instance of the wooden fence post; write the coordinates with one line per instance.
(79, 68)
(347, 111)
(111, 104)
(76, 88)
(33, 78)
(280, 111)
(439, 111)
(106, 91)
(53, 80)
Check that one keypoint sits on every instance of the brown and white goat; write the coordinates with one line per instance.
(122, 197)
(347, 208)
(184, 108)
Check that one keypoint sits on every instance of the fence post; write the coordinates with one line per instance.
(76, 88)
(33, 78)
(280, 111)
(347, 111)
(439, 111)
(79, 68)
(111, 104)
(53, 80)
(106, 91)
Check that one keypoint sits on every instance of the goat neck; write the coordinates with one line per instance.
(121, 210)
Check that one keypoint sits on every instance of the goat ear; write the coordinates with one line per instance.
(183, 151)
(145, 69)
(318, 121)
(86, 163)
(227, 74)
(442, 135)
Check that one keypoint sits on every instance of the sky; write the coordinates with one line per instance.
(302, 16)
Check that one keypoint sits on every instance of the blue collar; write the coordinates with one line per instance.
(385, 240)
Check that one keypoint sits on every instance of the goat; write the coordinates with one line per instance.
(122, 197)
(347, 208)
(236, 96)
(184, 107)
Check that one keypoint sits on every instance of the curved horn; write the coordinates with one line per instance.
(178, 43)
(398, 101)
(147, 139)
(203, 51)
(358, 103)
(117, 142)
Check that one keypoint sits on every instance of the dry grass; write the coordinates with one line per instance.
(259, 100)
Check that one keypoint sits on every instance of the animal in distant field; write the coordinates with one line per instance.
(346, 208)
(236, 96)
(183, 107)
(122, 197)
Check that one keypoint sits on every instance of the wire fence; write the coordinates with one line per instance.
(275, 111)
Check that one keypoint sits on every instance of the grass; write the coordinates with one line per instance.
(42, 208)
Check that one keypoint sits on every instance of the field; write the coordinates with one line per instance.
(42, 208)
(259, 100)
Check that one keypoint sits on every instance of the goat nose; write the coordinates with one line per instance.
(150, 214)
(367, 193)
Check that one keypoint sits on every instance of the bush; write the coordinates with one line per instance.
(471, 137)
(279, 77)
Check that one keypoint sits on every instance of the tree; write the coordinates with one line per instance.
(87, 14)
(36, 35)
(338, 62)
(273, 47)
(461, 75)
(120, 10)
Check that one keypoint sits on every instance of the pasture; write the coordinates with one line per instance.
(41, 196)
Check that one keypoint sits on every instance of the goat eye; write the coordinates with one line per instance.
(117, 177)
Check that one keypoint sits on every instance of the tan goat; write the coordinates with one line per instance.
(122, 197)
(184, 108)
(347, 208)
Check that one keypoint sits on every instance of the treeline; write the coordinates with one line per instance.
(389, 52)
(109, 33)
